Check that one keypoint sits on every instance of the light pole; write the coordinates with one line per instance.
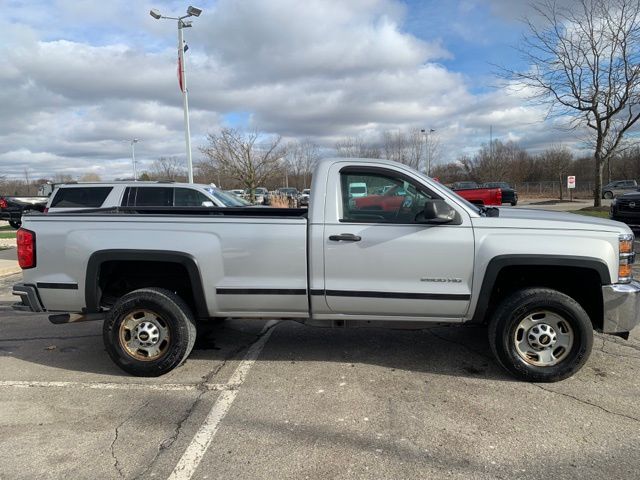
(182, 76)
(426, 134)
(133, 158)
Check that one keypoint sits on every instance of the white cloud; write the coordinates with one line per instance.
(321, 69)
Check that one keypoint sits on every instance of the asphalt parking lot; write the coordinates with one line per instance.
(280, 400)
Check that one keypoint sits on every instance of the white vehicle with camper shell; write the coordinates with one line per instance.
(80, 196)
(542, 281)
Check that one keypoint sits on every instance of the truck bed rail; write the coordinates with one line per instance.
(262, 212)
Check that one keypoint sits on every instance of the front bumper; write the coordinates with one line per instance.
(621, 307)
(29, 298)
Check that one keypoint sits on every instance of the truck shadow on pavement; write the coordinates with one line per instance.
(451, 351)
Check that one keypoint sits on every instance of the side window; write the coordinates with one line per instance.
(380, 197)
(80, 197)
(129, 195)
(187, 197)
(154, 197)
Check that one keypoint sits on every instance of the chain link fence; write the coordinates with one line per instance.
(552, 189)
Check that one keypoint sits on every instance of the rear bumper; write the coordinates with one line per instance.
(621, 307)
(29, 298)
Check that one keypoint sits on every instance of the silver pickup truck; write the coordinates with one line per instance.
(406, 254)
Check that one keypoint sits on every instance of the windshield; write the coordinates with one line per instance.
(226, 199)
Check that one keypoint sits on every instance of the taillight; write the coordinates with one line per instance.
(499, 197)
(3, 203)
(26, 240)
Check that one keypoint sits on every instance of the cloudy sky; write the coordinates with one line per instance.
(79, 78)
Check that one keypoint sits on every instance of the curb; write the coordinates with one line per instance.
(10, 270)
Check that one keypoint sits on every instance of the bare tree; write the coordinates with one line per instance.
(27, 180)
(356, 147)
(62, 178)
(404, 147)
(168, 168)
(494, 162)
(556, 163)
(90, 177)
(584, 60)
(248, 157)
(302, 158)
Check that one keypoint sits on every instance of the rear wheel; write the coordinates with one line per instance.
(541, 335)
(15, 224)
(608, 195)
(149, 332)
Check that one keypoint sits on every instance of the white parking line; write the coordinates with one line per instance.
(192, 456)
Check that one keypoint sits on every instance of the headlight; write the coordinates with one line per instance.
(627, 257)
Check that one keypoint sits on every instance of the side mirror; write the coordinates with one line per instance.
(208, 203)
(436, 211)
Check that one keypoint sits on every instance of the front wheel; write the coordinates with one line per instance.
(541, 335)
(149, 332)
(608, 195)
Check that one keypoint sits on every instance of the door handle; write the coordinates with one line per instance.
(345, 237)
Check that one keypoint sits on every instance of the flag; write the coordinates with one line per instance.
(181, 69)
(180, 75)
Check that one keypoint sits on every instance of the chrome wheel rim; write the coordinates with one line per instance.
(144, 335)
(543, 338)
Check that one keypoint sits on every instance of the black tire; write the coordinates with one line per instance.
(171, 313)
(506, 325)
(514, 203)
(15, 224)
(607, 195)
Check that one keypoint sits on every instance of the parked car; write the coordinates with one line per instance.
(357, 189)
(542, 281)
(477, 195)
(304, 197)
(259, 196)
(626, 209)
(238, 192)
(12, 208)
(81, 196)
(464, 185)
(619, 187)
(288, 192)
(509, 195)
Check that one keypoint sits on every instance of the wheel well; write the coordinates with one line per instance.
(581, 284)
(119, 277)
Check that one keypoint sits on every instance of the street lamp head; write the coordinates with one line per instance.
(194, 11)
(155, 14)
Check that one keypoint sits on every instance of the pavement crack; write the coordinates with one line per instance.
(202, 388)
(586, 402)
(116, 462)
(621, 355)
